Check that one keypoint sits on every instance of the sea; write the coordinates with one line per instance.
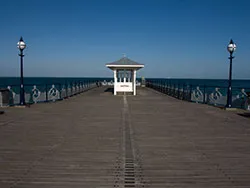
(14, 81)
(221, 83)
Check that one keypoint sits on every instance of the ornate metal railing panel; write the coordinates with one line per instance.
(211, 95)
(47, 92)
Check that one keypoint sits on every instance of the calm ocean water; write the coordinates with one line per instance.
(10, 81)
(207, 82)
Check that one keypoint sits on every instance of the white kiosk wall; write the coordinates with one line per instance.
(124, 81)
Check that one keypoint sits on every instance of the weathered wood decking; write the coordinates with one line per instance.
(96, 140)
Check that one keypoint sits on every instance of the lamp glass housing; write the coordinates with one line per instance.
(21, 45)
(231, 47)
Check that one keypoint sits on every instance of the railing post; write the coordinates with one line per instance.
(9, 103)
(79, 85)
(174, 91)
(165, 87)
(76, 83)
(66, 90)
(170, 89)
(178, 91)
(204, 94)
(79, 88)
(78, 91)
(168, 92)
(46, 90)
(162, 86)
(60, 91)
(71, 88)
(75, 87)
(190, 93)
(186, 92)
(183, 92)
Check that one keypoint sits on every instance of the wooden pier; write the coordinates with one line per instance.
(97, 140)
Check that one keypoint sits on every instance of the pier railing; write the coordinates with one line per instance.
(46, 92)
(212, 95)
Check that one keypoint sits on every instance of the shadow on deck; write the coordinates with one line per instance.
(246, 114)
(109, 90)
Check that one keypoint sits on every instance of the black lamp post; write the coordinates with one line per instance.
(21, 46)
(231, 48)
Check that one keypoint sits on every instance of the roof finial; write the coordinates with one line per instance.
(124, 55)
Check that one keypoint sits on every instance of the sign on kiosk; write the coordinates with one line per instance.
(124, 87)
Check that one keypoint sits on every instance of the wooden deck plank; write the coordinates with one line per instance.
(80, 142)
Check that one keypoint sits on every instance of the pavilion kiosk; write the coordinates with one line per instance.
(124, 75)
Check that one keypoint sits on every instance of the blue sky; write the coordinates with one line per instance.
(173, 38)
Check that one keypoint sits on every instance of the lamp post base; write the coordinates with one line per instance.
(230, 109)
(22, 106)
